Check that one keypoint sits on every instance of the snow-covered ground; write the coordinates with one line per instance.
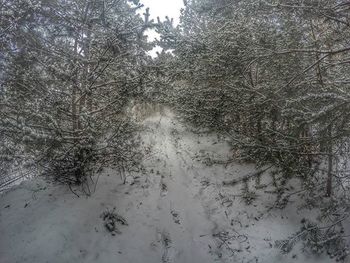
(177, 210)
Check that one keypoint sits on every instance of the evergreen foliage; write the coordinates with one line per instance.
(69, 71)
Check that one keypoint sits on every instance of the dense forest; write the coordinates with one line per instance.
(271, 77)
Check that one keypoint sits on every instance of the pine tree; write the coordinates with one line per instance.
(273, 77)
(71, 69)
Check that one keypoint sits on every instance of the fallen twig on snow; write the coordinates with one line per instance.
(245, 177)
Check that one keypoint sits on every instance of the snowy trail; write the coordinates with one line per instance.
(181, 214)
(177, 210)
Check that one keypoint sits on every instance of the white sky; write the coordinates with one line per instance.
(162, 8)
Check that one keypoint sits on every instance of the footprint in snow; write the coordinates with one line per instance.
(176, 217)
(169, 252)
(163, 189)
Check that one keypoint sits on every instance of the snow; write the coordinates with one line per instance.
(177, 210)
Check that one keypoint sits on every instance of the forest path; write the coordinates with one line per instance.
(183, 223)
(176, 208)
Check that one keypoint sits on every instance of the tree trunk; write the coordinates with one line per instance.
(330, 163)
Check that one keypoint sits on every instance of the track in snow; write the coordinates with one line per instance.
(180, 215)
